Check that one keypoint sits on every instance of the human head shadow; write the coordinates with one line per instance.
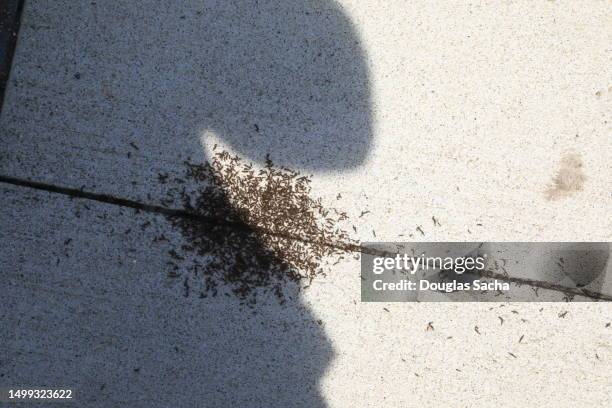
(286, 80)
(281, 79)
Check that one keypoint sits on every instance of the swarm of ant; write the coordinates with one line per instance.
(256, 229)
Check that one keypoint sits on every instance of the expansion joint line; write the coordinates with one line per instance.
(241, 226)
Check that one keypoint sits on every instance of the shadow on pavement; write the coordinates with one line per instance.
(287, 79)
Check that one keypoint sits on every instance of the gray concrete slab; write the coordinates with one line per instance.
(403, 111)
(291, 82)
(89, 85)
(87, 304)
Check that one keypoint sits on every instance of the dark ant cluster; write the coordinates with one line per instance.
(256, 229)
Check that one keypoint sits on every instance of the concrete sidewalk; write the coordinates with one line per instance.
(422, 121)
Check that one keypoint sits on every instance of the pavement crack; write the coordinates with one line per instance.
(171, 212)
(241, 226)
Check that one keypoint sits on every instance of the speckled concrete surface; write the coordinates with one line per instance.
(401, 111)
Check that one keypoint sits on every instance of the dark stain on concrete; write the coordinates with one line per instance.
(569, 179)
